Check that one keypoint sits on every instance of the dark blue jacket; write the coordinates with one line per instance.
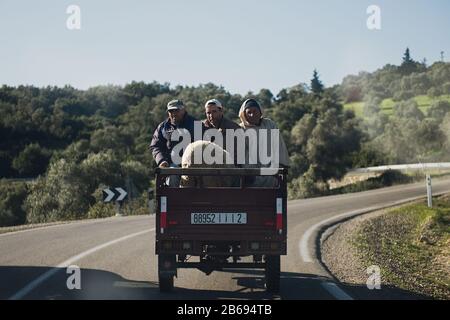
(161, 145)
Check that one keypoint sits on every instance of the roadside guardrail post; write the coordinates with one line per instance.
(429, 192)
(119, 209)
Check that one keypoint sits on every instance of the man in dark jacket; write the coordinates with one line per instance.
(162, 145)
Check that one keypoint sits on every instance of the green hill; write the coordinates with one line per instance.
(387, 105)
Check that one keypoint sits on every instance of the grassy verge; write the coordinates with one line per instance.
(387, 105)
(411, 245)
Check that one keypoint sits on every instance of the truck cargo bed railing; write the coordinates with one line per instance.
(221, 171)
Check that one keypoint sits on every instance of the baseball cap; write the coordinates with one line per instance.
(214, 102)
(175, 105)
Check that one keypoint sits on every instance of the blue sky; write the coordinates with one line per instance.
(242, 45)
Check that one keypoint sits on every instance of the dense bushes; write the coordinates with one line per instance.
(12, 197)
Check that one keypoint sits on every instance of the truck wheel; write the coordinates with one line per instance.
(165, 277)
(273, 274)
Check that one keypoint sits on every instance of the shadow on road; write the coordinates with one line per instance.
(99, 284)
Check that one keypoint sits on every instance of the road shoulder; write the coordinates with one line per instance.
(344, 258)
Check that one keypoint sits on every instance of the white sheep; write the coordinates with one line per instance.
(213, 150)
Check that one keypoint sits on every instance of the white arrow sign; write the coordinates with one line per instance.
(122, 194)
(116, 194)
(110, 195)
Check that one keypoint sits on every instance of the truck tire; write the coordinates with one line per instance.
(273, 274)
(165, 277)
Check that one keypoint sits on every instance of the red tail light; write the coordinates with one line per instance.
(163, 221)
(279, 225)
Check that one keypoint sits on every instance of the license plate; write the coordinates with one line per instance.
(219, 218)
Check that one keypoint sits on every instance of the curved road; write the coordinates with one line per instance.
(117, 261)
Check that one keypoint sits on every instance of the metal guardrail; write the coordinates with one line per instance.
(416, 166)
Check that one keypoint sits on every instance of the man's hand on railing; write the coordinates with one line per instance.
(164, 164)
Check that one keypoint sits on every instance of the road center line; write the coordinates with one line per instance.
(35, 283)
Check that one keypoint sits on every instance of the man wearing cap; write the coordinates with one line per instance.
(216, 120)
(162, 144)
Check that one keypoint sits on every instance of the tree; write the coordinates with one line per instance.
(32, 161)
(433, 92)
(353, 94)
(304, 186)
(265, 98)
(286, 114)
(429, 138)
(418, 83)
(398, 141)
(112, 138)
(316, 85)
(372, 107)
(409, 140)
(403, 95)
(368, 156)
(439, 109)
(60, 195)
(326, 141)
(101, 168)
(408, 65)
(136, 177)
(374, 125)
(446, 88)
(445, 129)
(407, 58)
(408, 109)
(12, 197)
(302, 130)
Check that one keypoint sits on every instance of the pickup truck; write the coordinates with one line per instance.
(215, 228)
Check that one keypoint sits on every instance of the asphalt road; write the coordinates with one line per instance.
(117, 260)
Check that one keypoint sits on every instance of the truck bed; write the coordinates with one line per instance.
(265, 209)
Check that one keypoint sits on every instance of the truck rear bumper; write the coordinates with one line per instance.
(224, 247)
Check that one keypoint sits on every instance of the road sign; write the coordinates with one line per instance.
(114, 194)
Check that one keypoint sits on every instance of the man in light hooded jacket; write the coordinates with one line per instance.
(251, 115)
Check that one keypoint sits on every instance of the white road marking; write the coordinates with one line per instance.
(67, 223)
(32, 285)
(335, 291)
(304, 241)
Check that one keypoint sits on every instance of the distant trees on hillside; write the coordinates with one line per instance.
(75, 142)
(409, 79)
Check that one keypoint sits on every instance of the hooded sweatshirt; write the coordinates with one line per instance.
(268, 124)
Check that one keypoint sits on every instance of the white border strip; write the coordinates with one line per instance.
(335, 291)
